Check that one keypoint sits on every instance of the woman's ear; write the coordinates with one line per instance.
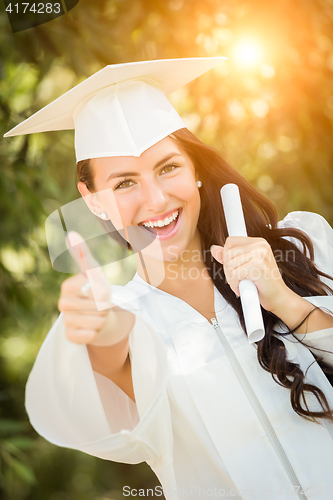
(83, 189)
(89, 198)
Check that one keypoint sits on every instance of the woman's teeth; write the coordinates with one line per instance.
(161, 223)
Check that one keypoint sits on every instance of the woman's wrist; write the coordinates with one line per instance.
(294, 309)
(119, 324)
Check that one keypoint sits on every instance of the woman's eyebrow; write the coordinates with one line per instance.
(127, 174)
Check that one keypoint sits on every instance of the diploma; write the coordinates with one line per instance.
(234, 216)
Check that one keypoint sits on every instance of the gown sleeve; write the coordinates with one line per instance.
(72, 406)
(321, 235)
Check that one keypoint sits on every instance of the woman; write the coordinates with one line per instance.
(167, 375)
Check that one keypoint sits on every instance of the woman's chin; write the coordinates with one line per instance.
(157, 253)
(165, 255)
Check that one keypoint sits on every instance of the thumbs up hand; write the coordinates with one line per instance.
(85, 300)
(97, 285)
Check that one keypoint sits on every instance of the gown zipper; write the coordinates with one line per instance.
(261, 414)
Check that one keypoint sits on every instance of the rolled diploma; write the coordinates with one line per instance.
(234, 216)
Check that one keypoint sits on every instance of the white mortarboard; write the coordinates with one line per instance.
(122, 109)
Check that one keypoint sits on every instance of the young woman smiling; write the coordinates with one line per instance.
(164, 181)
(167, 374)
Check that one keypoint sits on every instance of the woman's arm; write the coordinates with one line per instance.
(252, 258)
(113, 361)
(92, 319)
(105, 332)
(293, 309)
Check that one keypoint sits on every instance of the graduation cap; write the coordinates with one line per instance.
(121, 110)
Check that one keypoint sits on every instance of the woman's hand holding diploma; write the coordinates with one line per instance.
(251, 269)
(253, 259)
(250, 261)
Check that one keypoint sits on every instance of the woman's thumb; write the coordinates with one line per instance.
(217, 253)
(80, 252)
(100, 286)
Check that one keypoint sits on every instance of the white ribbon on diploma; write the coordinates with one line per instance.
(234, 216)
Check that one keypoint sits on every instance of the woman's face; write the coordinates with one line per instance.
(158, 185)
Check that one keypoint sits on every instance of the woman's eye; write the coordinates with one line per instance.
(173, 166)
(122, 184)
(125, 183)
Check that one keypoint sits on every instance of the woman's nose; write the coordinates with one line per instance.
(155, 197)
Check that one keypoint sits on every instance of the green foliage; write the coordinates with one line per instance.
(14, 459)
(272, 119)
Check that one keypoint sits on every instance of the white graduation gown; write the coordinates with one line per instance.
(208, 419)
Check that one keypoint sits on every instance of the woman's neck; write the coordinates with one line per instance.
(186, 272)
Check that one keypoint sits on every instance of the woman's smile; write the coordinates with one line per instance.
(166, 227)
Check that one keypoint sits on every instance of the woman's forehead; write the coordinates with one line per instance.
(159, 151)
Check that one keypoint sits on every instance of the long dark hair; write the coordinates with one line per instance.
(301, 275)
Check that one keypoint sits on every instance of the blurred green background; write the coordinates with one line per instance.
(269, 110)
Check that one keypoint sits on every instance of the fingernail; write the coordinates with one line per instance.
(212, 246)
